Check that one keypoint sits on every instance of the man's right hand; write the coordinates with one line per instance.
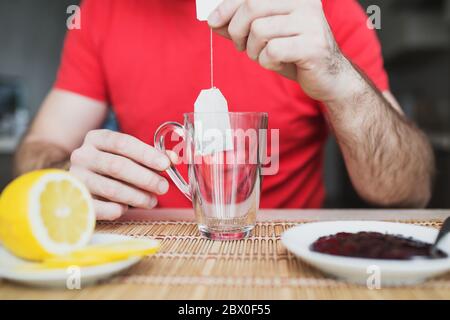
(119, 171)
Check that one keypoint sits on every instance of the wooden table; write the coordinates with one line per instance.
(191, 267)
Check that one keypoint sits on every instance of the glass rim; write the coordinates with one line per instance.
(240, 113)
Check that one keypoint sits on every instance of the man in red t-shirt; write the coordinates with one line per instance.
(310, 64)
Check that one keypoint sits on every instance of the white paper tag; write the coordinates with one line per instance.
(212, 123)
(205, 7)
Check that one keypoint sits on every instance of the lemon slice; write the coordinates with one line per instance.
(45, 213)
(103, 253)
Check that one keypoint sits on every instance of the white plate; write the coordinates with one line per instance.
(14, 269)
(357, 270)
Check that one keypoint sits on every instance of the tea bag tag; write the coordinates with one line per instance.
(205, 7)
(212, 123)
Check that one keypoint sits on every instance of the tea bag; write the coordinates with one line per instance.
(212, 123)
(205, 7)
(212, 132)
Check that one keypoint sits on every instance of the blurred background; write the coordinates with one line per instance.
(415, 35)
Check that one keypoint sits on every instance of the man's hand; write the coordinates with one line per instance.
(291, 37)
(120, 171)
(378, 143)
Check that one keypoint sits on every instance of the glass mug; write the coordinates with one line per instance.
(225, 183)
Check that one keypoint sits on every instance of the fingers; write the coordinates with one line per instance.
(113, 190)
(264, 29)
(119, 168)
(173, 156)
(280, 51)
(240, 19)
(223, 13)
(108, 210)
(223, 31)
(128, 146)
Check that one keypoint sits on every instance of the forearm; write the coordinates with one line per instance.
(34, 155)
(389, 160)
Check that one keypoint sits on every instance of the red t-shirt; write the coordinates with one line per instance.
(149, 60)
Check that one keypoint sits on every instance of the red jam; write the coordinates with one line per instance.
(374, 245)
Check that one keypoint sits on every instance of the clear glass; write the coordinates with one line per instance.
(224, 186)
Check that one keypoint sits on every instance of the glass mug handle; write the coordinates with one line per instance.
(173, 173)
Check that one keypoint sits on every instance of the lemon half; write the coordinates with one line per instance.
(45, 213)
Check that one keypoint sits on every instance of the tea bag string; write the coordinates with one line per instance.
(211, 57)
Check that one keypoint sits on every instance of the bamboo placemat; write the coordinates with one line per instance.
(191, 267)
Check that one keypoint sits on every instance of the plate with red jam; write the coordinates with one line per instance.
(355, 251)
